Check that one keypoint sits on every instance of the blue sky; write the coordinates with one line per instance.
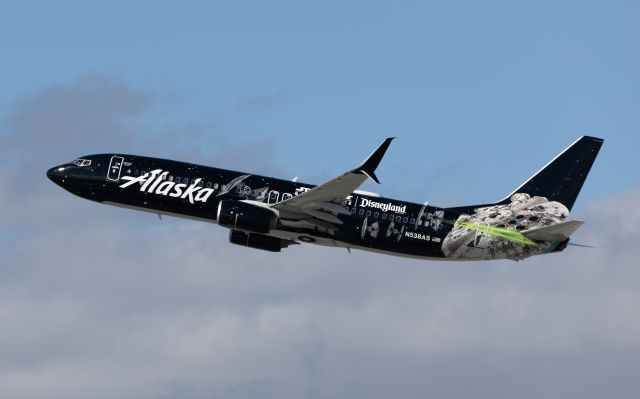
(97, 301)
(494, 88)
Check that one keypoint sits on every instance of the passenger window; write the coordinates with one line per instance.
(353, 211)
(398, 218)
(170, 178)
(361, 212)
(185, 181)
(286, 196)
(177, 180)
(215, 186)
(368, 213)
(405, 220)
(136, 172)
(384, 216)
(376, 214)
(412, 221)
(208, 184)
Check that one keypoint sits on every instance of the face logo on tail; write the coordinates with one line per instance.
(155, 182)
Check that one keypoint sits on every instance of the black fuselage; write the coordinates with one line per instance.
(373, 222)
(270, 214)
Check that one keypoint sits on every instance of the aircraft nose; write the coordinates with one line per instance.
(56, 174)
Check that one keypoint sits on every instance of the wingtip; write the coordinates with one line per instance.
(372, 175)
(369, 166)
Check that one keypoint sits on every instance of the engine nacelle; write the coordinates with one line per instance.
(242, 216)
(258, 241)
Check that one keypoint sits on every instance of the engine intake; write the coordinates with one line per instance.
(242, 216)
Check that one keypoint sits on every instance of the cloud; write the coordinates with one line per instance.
(173, 310)
(97, 113)
(104, 302)
(64, 122)
(87, 114)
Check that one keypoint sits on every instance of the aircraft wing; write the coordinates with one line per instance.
(325, 202)
(554, 232)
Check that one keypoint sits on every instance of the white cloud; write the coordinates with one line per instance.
(174, 309)
(103, 302)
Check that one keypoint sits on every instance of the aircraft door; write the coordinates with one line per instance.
(115, 168)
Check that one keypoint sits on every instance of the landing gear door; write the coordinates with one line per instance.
(115, 168)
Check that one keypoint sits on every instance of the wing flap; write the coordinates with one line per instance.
(328, 217)
(331, 207)
(554, 232)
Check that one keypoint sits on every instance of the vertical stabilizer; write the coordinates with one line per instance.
(562, 178)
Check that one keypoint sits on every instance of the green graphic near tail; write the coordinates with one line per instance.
(504, 233)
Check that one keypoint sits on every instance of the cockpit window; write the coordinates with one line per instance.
(82, 162)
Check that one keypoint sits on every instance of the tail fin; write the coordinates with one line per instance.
(562, 178)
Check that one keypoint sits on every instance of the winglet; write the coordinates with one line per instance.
(370, 164)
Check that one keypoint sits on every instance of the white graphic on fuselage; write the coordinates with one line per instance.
(238, 187)
(227, 188)
(470, 237)
(155, 182)
(383, 206)
(417, 236)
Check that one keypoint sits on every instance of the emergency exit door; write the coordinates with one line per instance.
(115, 168)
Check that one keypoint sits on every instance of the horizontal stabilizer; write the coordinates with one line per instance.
(554, 232)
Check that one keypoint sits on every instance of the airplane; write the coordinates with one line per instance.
(271, 214)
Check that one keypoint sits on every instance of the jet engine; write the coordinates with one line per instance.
(258, 241)
(243, 216)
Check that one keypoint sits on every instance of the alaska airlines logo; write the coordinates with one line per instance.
(384, 207)
(154, 183)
